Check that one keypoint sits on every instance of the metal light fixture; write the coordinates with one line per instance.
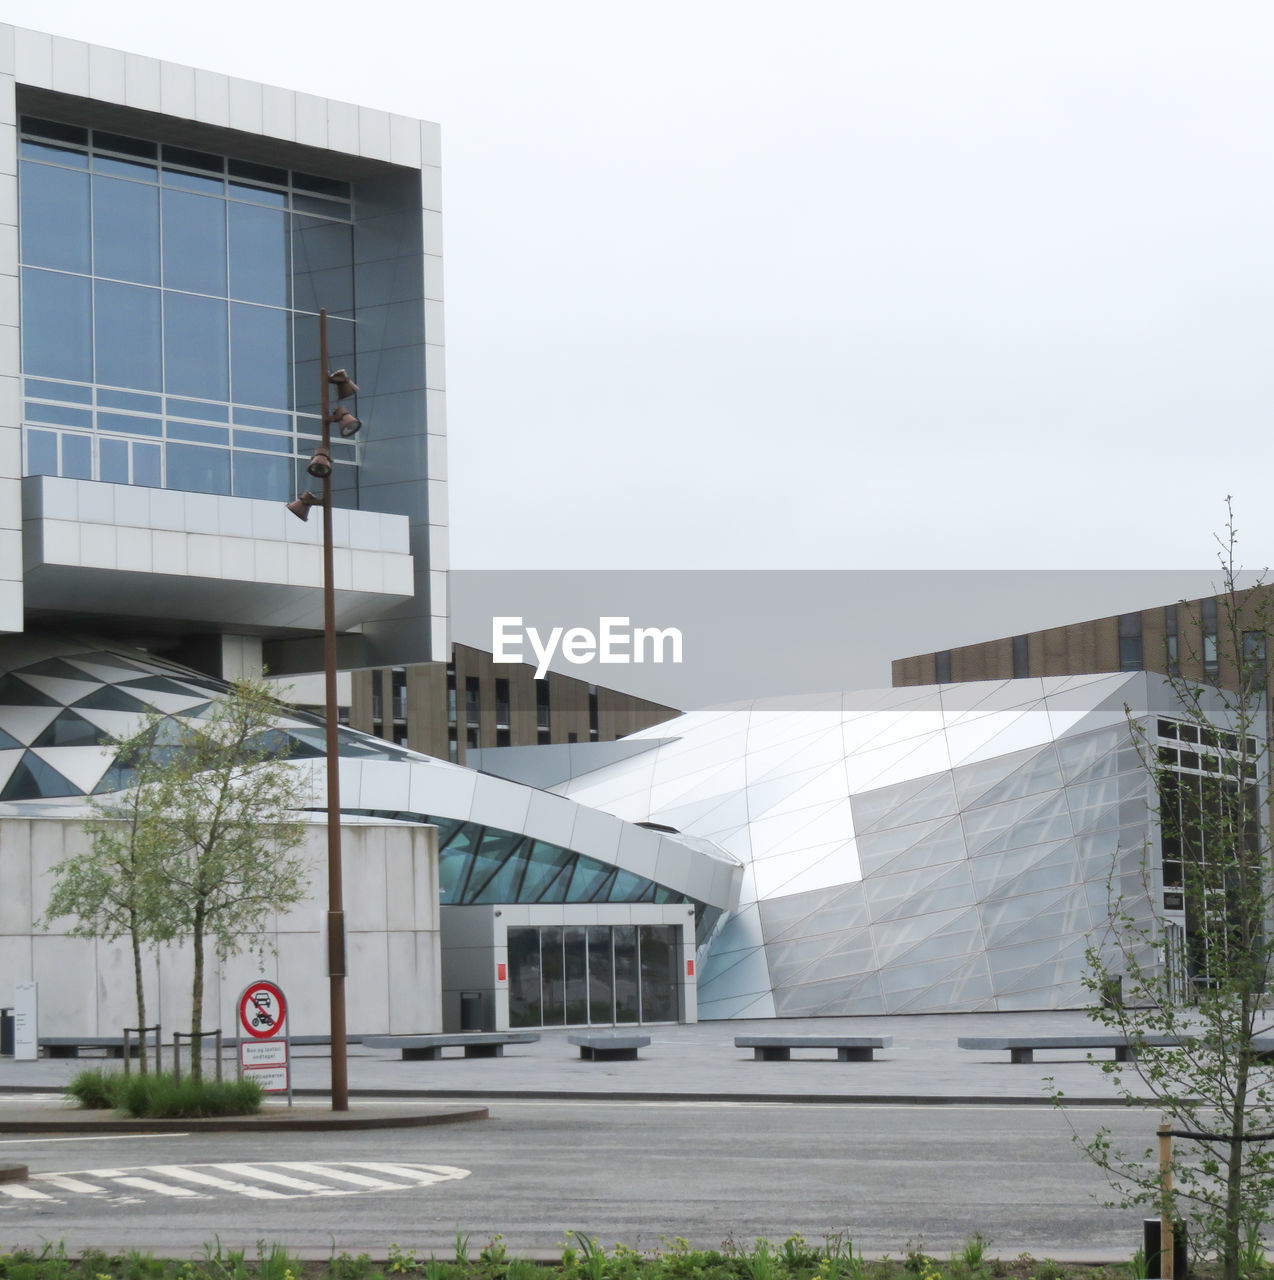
(320, 464)
(344, 384)
(300, 507)
(345, 422)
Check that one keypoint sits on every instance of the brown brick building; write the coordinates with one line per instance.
(474, 701)
(1200, 639)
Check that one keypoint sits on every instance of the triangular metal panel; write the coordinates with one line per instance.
(25, 724)
(83, 767)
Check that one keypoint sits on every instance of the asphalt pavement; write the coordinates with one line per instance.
(695, 1138)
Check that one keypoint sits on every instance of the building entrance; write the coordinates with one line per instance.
(581, 975)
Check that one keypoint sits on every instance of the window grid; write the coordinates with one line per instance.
(73, 411)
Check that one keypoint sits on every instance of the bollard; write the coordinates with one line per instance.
(1167, 1255)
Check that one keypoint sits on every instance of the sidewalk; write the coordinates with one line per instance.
(698, 1062)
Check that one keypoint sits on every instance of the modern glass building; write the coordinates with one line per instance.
(171, 237)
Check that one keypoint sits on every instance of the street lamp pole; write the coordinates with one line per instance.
(320, 467)
(335, 889)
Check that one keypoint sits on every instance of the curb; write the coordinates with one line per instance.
(302, 1119)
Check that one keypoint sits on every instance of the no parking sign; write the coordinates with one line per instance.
(264, 1044)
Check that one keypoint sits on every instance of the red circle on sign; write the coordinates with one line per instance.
(262, 1010)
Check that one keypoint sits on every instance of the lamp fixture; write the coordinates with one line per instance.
(345, 422)
(300, 507)
(320, 466)
(345, 386)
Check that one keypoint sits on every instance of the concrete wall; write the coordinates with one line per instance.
(86, 986)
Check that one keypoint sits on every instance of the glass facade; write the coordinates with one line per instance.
(589, 974)
(169, 313)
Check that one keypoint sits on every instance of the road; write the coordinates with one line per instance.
(622, 1171)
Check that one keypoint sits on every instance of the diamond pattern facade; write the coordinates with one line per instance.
(907, 850)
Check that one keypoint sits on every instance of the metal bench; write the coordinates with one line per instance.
(779, 1048)
(1022, 1048)
(597, 1046)
(428, 1048)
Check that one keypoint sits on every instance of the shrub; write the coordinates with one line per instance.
(95, 1089)
(160, 1096)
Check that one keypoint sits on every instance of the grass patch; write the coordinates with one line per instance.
(159, 1096)
(584, 1258)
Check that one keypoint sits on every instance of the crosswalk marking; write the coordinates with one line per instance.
(422, 1173)
(20, 1191)
(223, 1184)
(341, 1175)
(256, 1180)
(280, 1179)
(64, 1182)
(149, 1184)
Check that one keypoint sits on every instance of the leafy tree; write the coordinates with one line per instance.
(230, 805)
(198, 842)
(1189, 937)
(114, 891)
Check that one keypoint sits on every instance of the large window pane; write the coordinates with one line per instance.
(322, 265)
(77, 456)
(340, 355)
(57, 333)
(194, 243)
(55, 218)
(601, 994)
(627, 1008)
(125, 230)
(552, 977)
(576, 976)
(196, 347)
(42, 453)
(198, 469)
(659, 971)
(524, 978)
(147, 465)
(127, 334)
(112, 461)
(258, 475)
(259, 357)
(259, 269)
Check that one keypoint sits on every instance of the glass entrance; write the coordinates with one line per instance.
(595, 974)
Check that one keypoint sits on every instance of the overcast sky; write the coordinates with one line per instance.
(821, 285)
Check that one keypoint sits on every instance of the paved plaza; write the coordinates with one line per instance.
(923, 1064)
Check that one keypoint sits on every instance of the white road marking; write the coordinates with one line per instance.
(20, 1191)
(149, 1184)
(425, 1174)
(222, 1184)
(280, 1179)
(337, 1178)
(341, 1175)
(64, 1182)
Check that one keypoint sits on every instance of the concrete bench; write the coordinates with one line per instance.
(779, 1048)
(1022, 1048)
(597, 1046)
(70, 1046)
(428, 1048)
